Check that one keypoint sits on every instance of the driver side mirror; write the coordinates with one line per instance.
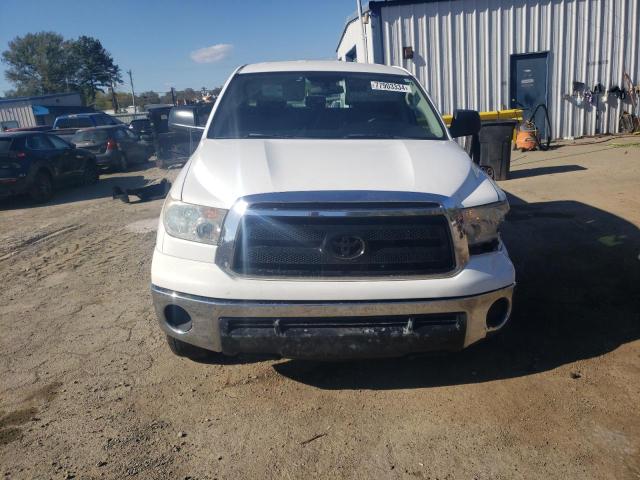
(465, 123)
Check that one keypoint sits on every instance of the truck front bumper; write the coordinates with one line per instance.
(332, 329)
(13, 183)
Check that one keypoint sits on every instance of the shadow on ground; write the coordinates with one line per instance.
(102, 189)
(533, 172)
(578, 272)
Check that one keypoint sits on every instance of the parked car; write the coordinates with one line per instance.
(36, 163)
(328, 212)
(185, 126)
(66, 126)
(115, 147)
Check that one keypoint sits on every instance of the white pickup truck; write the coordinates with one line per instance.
(327, 213)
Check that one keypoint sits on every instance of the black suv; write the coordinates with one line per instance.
(35, 163)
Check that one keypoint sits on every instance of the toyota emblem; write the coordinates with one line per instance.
(344, 246)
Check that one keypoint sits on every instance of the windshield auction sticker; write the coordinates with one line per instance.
(390, 87)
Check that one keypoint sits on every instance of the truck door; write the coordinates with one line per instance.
(73, 163)
(182, 123)
(43, 150)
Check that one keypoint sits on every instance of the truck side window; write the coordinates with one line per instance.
(58, 143)
(74, 122)
(182, 117)
(101, 120)
(39, 142)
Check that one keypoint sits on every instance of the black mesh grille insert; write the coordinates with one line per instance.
(272, 245)
(284, 325)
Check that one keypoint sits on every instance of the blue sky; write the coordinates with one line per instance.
(157, 39)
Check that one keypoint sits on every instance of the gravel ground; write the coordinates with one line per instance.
(89, 389)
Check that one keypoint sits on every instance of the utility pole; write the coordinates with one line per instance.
(114, 98)
(133, 93)
(362, 32)
(173, 96)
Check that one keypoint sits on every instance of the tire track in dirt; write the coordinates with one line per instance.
(35, 239)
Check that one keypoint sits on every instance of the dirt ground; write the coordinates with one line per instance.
(89, 389)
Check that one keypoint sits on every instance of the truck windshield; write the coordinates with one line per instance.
(90, 136)
(325, 105)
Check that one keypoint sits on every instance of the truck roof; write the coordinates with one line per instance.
(320, 66)
(15, 134)
(103, 127)
(78, 115)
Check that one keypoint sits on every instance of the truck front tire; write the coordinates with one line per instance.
(42, 188)
(123, 163)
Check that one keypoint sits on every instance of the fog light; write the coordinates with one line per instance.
(177, 318)
(497, 314)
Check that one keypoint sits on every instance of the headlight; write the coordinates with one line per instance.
(481, 223)
(193, 222)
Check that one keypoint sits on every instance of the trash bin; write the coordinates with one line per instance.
(494, 148)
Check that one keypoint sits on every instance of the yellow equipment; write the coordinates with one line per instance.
(512, 114)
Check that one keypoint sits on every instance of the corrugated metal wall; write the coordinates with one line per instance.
(20, 111)
(462, 52)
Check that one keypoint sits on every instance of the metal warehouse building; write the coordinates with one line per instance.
(39, 110)
(498, 54)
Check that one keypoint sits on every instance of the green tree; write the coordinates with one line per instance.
(147, 98)
(96, 69)
(166, 98)
(39, 63)
(10, 94)
(103, 101)
(190, 95)
(44, 62)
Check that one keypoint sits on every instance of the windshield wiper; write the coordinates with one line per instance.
(257, 135)
(383, 136)
(371, 135)
(264, 135)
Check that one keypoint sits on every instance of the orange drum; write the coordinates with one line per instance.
(526, 139)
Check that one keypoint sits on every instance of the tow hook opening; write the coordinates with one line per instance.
(177, 318)
(498, 314)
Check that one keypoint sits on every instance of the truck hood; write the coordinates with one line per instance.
(221, 171)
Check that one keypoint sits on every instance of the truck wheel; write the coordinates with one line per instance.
(123, 164)
(192, 352)
(91, 175)
(42, 188)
